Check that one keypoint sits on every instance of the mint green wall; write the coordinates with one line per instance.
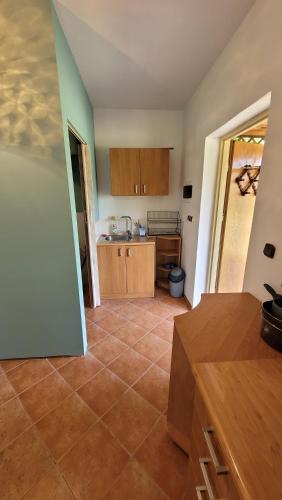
(76, 106)
(40, 301)
(76, 110)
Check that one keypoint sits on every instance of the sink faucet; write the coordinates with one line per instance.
(129, 231)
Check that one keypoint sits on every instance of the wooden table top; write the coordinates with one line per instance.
(244, 399)
(223, 327)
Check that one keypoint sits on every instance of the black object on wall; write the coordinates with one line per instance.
(187, 191)
(269, 250)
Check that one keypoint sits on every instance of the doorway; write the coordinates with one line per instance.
(79, 184)
(240, 166)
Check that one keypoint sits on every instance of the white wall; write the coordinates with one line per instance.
(248, 68)
(136, 128)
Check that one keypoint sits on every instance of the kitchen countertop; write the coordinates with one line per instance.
(244, 400)
(224, 327)
(136, 240)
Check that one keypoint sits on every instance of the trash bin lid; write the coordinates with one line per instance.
(176, 275)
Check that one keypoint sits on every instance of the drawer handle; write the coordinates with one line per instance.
(203, 462)
(219, 469)
(199, 491)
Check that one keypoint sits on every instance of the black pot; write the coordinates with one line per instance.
(271, 330)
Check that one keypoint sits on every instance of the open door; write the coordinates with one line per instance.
(245, 160)
(240, 167)
(90, 223)
(85, 210)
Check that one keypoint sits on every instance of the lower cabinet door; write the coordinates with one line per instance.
(140, 267)
(112, 270)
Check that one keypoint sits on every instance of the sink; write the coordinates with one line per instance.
(118, 237)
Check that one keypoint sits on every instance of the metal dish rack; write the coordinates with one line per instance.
(163, 222)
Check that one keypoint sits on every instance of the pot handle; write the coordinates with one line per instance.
(272, 292)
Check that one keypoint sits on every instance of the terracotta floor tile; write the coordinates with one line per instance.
(9, 364)
(6, 389)
(111, 322)
(130, 333)
(65, 425)
(129, 366)
(153, 387)
(164, 461)
(164, 330)
(129, 311)
(22, 465)
(146, 319)
(45, 396)
(108, 349)
(96, 314)
(131, 419)
(92, 466)
(80, 370)
(114, 304)
(29, 373)
(103, 391)
(173, 316)
(60, 361)
(151, 346)
(145, 303)
(160, 309)
(165, 361)
(135, 484)
(179, 303)
(94, 333)
(13, 421)
(51, 486)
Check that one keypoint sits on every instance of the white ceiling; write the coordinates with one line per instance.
(147, 53)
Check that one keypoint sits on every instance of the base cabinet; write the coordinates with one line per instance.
(126, 271)
(208, 475)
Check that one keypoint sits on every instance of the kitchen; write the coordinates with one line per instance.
(115, 381)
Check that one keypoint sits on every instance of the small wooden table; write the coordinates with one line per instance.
(223, 327)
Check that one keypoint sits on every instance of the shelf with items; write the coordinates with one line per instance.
(168, 251)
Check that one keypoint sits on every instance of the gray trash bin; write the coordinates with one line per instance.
(176, 280)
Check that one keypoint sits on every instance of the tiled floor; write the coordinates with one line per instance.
(94, 428)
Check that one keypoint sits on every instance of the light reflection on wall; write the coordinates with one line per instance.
(30, 116)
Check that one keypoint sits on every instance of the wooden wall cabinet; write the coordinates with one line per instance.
(139, 171)
(126, 270)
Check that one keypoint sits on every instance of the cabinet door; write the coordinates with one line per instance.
(154, 164)
(140, 267)
(125, 171)
(112, 270)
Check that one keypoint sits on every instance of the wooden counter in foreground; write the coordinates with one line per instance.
(223, 327)
(243, 404)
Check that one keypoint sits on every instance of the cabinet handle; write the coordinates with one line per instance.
(119, 252)
(219, 469)
(128, 252)
(199, 491)
(203, 462)
(136, 188)
(144, 188)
